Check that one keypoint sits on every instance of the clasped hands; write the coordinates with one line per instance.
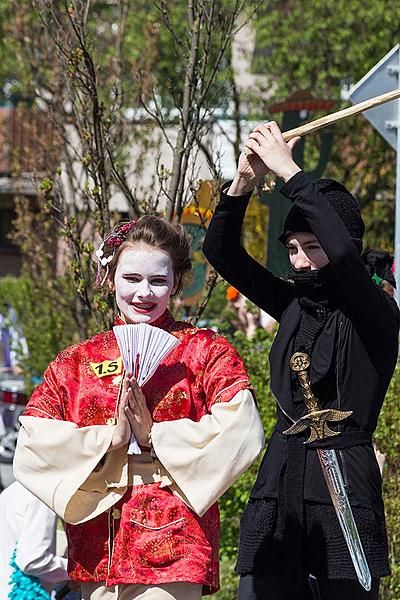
(133, 415)
(268, 152)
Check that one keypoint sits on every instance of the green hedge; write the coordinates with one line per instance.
(43, 321)
(255, 353)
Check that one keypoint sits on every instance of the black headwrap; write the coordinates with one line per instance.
(344, 204)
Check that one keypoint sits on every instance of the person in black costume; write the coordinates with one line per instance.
(291, 545)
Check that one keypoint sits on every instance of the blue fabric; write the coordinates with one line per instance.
(25, 587)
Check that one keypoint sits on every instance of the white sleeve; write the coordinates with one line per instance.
(36, 548)
(204, 458)
(55, 460)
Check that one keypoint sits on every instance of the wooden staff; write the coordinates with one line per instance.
(340, 115)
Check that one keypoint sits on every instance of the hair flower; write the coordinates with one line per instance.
(113, 241)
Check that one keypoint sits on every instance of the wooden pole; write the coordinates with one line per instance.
(340, 115)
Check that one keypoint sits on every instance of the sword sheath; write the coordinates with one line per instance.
(334, 480)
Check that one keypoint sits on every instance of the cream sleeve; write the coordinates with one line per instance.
(204, 458)
(58, 462)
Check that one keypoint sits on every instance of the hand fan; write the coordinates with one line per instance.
(142, 348)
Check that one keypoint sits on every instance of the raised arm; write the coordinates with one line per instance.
(224, 251)
(372, 311)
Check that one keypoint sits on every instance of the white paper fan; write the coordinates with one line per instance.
(142, 348)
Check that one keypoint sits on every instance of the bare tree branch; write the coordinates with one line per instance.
(212, 281)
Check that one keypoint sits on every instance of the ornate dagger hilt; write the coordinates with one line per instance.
(300, 363)
(315, 418)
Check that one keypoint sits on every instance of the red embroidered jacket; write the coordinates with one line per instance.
(150, 536)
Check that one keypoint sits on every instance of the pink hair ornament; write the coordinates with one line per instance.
(112, 241)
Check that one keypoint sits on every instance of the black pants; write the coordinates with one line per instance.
(252, 587)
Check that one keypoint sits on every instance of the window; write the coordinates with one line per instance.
(7, 216)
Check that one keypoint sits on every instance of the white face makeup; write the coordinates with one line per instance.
(305, 251)
(144, 282)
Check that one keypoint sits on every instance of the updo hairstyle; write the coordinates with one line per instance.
(162, 235)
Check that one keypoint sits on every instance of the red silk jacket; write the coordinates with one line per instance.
(150, 536)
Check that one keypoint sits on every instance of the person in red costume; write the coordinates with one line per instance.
(146, 525)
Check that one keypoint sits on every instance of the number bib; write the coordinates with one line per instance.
(107, 367)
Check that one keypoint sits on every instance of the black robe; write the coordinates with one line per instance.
(352, 361)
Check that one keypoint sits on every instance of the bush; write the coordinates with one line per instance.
(255, 354)
(46, 326)
(387, 438)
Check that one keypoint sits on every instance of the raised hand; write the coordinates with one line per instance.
(266, 151)
(250, 169)
(267, 142)
(123, 431)
(138, 414)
